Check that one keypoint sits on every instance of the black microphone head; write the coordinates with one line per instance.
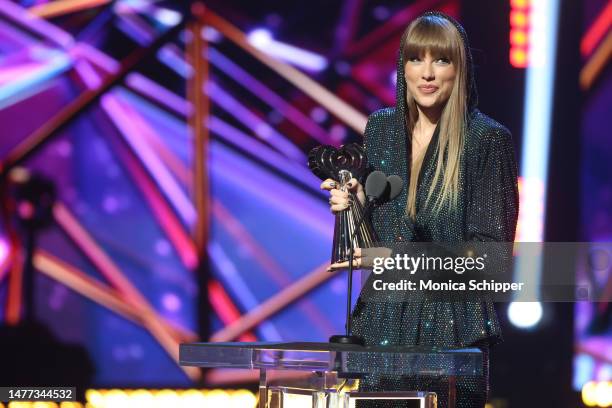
(396, 184)
(375, 185)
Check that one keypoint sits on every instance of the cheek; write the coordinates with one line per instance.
(449, 82)
(411, 77)
(450, 76)
(449, 86)
(412, 74)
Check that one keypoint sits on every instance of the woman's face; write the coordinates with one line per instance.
(430, 81)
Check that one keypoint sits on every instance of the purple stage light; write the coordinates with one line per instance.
(171, 302)
(295, 170)
(159, 94)
(63, 148)
(136, 351)
(88, 75)
(10, 73)
(36, 24)
(163, 15)
(223, 131)
(262, 39)
(28, 81)
(167, 17)
(231, 278)
(210, 34)
(254, 122)
(338, 133)
(12, 40)
(393, 79)
(318, 114)
(111, 204)
(96, 56)
(163, 247)
(57, 297)
(132, 127)
(286, 199)
(172, 56)
(136, 29)
(4, 250)
(234, 136)
(257, 88)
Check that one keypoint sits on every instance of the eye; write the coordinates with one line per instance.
(413, 59)
(443, 60)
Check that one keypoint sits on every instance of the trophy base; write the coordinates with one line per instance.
(344, 339)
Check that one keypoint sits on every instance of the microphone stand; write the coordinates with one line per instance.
(348, 337)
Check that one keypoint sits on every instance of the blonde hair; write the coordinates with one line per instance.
(440, 37)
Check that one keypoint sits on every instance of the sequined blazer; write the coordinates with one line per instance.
(487, 210)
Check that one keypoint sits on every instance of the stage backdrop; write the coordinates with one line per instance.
(593, 322)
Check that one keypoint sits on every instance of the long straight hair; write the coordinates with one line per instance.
(440, 37)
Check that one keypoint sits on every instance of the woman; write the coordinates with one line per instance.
(459, 167)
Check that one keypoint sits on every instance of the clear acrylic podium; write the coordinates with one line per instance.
(332, 365)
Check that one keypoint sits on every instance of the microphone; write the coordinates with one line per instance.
(396, 185)
(375, 186)
(380, 189)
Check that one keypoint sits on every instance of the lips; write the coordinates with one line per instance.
(427, 89)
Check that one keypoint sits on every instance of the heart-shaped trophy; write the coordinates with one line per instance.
(341, 165)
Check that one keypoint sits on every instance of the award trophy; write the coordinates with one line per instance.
(341, 165)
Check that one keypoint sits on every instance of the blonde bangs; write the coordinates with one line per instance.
(433, 35)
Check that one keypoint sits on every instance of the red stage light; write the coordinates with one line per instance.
(518, 19)
(519, 32)
(518, 57)
(518, 38)
(520, 4)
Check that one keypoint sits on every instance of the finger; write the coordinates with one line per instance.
(338, 207)
(352, 183)
(328, 184)
(337, 266)
(338, 193)
(357, 253)
(338, 199)
(344, 265)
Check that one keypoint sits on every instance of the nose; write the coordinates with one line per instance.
(428, 72)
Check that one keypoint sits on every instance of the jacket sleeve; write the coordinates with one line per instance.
(372, 141)
(493, 202)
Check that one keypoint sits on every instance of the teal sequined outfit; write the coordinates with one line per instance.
(487, 210)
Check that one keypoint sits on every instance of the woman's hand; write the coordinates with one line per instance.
(357, 262)
(338, 199)
(362, 258)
